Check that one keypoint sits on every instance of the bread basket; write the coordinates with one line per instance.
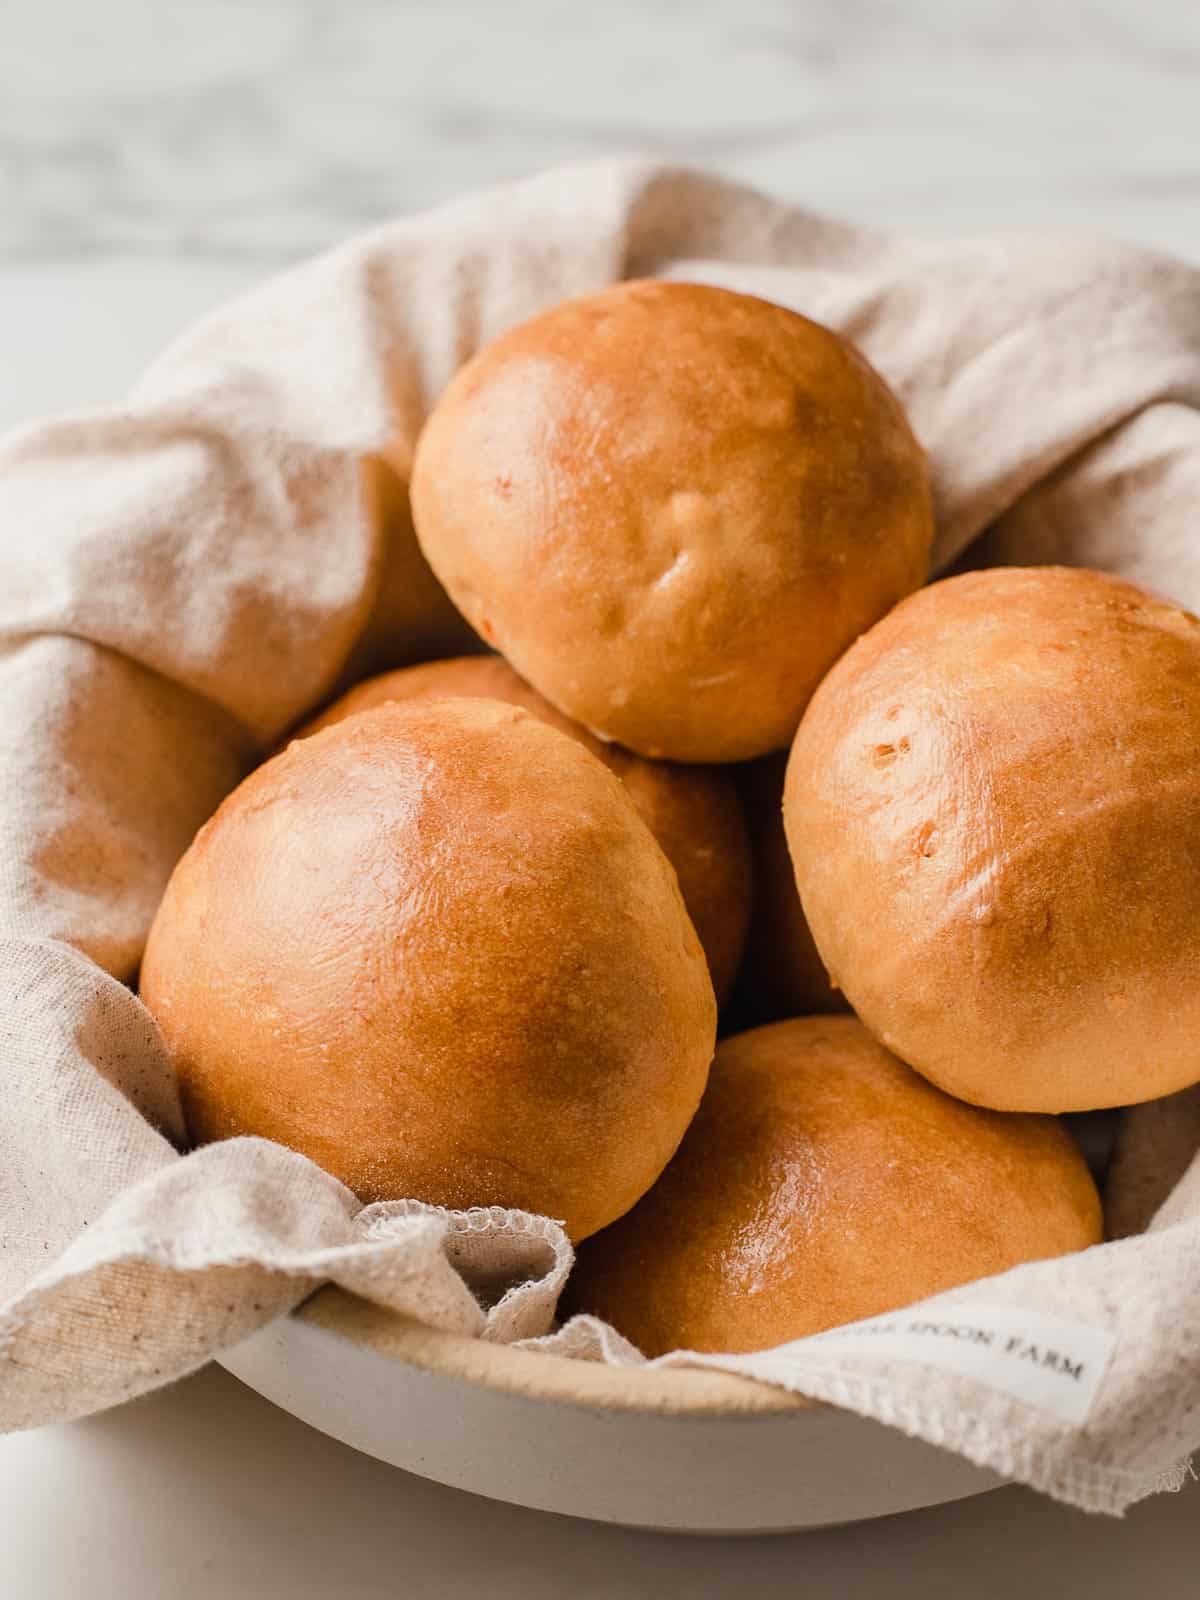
(199, 569)
(680, 1451)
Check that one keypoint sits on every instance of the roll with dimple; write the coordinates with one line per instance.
(693, 812)
(993, 809)
(671, 508)
(435, 949)
(824, 1181)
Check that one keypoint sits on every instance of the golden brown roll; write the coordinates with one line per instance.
(435, 949)
(993, 807)
(672, 508)
(412, 617)
(782, 974)
(823, 1181)
(693, 812)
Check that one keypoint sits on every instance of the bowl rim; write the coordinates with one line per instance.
(538, 1375)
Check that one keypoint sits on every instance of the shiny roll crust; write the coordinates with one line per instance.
(993, 808)
(823, 1181)
(435, 949)
(672, 508)
(693, 812)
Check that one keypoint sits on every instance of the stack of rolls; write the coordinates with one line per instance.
(926, 858)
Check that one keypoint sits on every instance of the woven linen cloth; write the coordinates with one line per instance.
(184, 575)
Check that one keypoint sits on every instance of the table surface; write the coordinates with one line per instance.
(207, 1492)
(171, 155)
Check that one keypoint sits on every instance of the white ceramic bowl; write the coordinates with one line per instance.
(686, 1451)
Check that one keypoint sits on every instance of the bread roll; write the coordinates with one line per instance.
(672, 508)
(823, 1181)
(412, 617)
(435, 949)
(993, 807)
(782, 974)
(693, 812)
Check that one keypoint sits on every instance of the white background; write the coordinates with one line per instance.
(156, 156)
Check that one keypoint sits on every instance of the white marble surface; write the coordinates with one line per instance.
(260, 129)
(157, 155)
